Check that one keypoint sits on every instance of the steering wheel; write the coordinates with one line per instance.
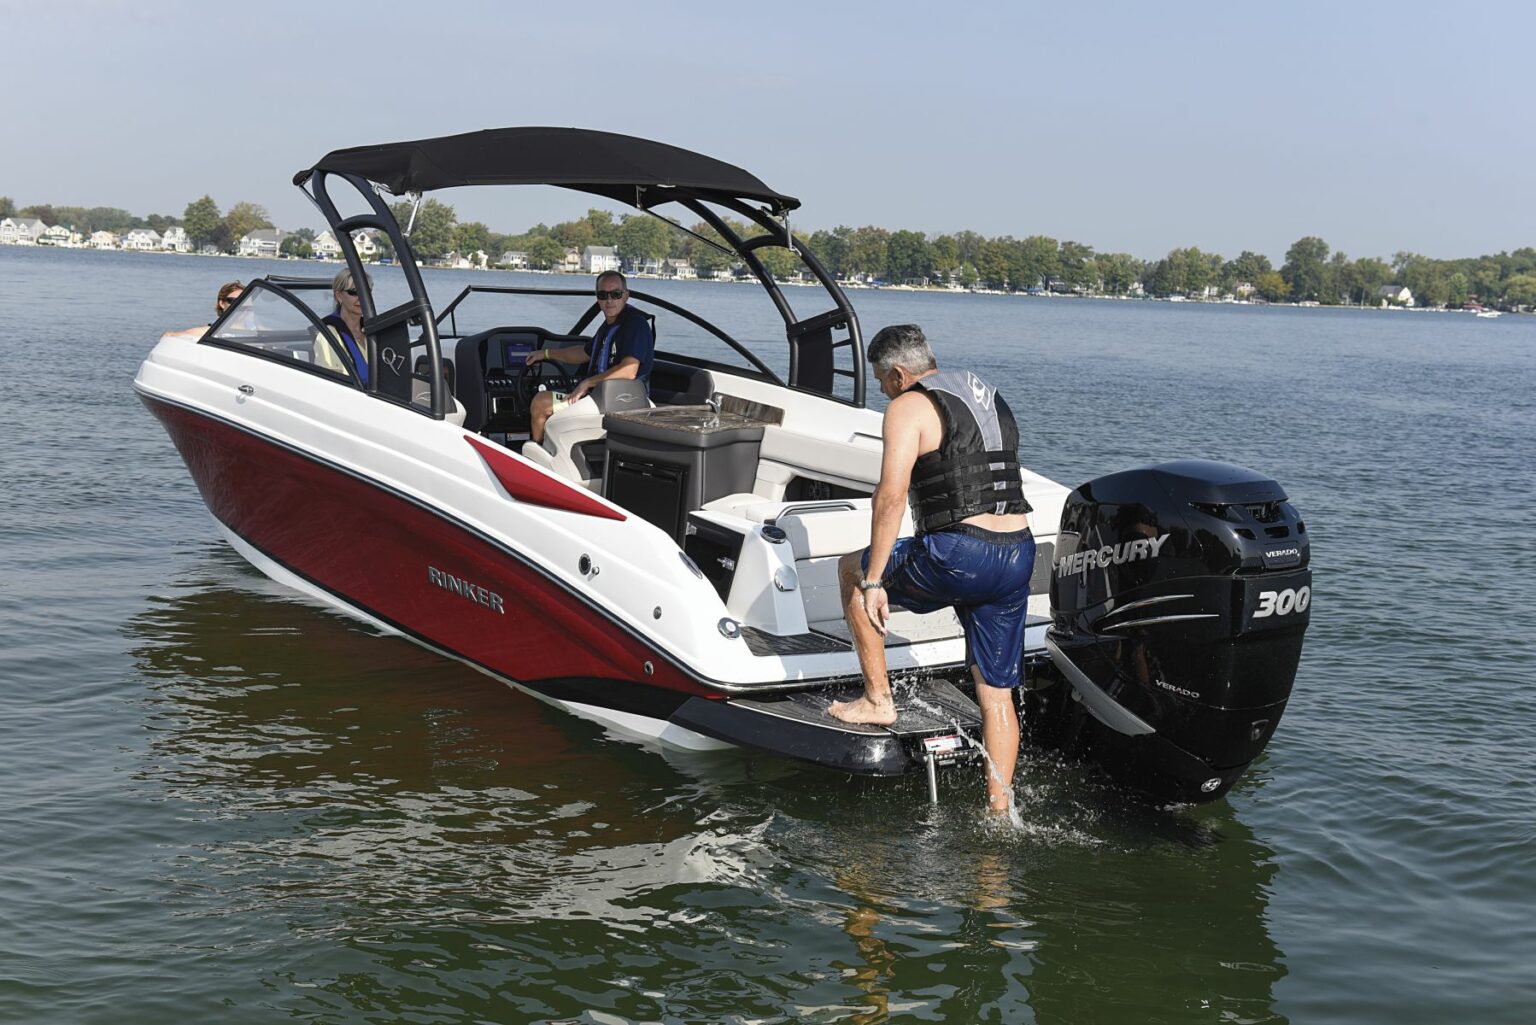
(550, 373)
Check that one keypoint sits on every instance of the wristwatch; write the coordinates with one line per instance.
(870, 585)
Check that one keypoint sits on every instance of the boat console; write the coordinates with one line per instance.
(493, 383)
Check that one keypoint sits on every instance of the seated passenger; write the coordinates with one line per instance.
(345, 325)
(229, 294)
(621, 349)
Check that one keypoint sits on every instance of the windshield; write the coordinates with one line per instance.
(690, 315)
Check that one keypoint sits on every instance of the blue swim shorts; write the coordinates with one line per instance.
(980, 573)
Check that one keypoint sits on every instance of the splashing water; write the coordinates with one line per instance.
(914, 698)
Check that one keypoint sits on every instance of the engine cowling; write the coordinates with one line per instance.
(1180, 594)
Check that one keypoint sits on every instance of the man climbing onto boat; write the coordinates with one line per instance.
(951, 443)
(622, 349)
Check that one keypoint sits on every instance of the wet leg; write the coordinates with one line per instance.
(1000, 738)
(876, 706)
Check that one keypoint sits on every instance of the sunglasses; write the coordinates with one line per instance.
(350, 291)
(617, 293)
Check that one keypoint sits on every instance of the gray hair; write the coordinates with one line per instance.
(343, 280)
(902, 345)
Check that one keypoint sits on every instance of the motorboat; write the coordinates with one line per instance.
(667, 565)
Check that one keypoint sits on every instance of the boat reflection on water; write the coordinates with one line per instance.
(264, 701)
(369, 825)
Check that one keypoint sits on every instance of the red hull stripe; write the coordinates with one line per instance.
(408, 564)
(526, 484)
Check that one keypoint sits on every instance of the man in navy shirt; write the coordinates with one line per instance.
(622, 349)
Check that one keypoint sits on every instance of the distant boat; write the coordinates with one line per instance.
(1490, 314)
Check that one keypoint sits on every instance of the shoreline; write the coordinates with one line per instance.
(847, 286)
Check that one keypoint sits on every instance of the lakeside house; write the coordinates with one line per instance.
(21, 231)
(599, 259)
(103, 240)
(142, 239)
(265, 242)
(60, 236)
(325, 246)
(570, 263)
(175, 240)
(680, 269)
(478, 260)
(1394, 295)
(513, 259)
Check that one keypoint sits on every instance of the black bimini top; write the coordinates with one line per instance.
(621, 167)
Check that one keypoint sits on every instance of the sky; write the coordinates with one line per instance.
(1131, 127)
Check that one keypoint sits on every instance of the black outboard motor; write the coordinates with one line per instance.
(1179, 596)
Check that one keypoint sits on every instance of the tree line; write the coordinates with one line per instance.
(1311, 272)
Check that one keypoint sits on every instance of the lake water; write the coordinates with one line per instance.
(222, 803)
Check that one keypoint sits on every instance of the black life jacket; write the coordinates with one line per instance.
(605, 343)
(976, 466)
(354, 351)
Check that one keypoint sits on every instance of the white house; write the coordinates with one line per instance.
(21, 231)
(175, 240)
(514, 259)
(141, 238)
(599, 259)
(646, 265)
(1394, 295)
(325, 246)
(679, 268)
(267, 242)
(103, 240)
(58, 235)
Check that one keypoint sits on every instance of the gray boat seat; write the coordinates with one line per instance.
(572, 435)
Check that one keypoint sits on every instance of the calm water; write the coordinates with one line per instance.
(224, 804)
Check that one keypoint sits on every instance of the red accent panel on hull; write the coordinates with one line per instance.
(378, 551)
(529, 485)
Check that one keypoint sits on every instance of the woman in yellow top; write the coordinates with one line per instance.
(345, 327)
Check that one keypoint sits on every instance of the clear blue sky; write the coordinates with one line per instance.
(1129, 126)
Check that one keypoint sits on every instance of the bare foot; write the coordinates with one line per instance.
(864, 711)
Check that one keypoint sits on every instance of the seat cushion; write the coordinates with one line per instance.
(815, 533)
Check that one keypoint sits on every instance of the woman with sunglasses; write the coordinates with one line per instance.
(229, 294)
(345, 325)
